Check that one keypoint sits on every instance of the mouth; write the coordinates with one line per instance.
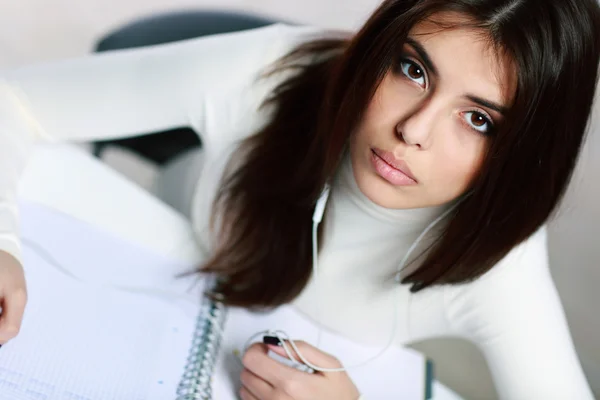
(391, 169)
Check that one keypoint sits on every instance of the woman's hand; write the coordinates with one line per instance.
(266, 379)
(13, 296)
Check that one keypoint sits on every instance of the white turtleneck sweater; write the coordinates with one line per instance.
(512, 313)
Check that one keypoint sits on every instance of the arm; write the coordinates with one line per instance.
(515, 316)
(123, 93)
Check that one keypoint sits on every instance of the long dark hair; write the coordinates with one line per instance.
(264, 233)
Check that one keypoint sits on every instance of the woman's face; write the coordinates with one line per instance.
(424, 134)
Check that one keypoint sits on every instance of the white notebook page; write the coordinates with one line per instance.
(85, 341)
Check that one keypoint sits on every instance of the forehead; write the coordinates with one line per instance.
(466, 57)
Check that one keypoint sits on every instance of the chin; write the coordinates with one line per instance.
(378, 190)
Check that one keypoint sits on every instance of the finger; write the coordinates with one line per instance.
(13, 308)
(310, 353)
(246, 395)
(259, 363)
(258, 387)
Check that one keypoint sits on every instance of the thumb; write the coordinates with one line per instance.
(310, 353)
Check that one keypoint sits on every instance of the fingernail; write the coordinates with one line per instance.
(272, 340)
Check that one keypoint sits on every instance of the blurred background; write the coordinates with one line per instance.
(39, 30)
(33, 30)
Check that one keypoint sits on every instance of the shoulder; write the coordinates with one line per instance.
(519, 286)
(525, 262)
(514, 315)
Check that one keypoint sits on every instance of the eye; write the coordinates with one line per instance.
(479, 121)
(413, 71)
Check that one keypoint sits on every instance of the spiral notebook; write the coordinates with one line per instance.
(107, 320)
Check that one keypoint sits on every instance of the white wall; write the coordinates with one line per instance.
(37, 30)
(574, 248)
(34, 30)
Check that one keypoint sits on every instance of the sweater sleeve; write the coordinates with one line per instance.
(514, 314)
(123, 93)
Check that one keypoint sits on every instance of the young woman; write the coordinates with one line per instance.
(449, 125)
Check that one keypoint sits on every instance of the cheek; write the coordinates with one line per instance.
(373, 120)
(457, 164)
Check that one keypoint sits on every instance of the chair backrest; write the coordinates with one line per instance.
(180, 25)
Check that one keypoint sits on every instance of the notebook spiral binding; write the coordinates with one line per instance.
(196, 382)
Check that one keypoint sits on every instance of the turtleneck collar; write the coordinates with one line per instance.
(356, 206)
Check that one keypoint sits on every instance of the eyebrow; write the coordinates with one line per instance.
(418, 47)
(486, 103)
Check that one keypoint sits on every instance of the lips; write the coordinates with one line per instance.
(398, 165)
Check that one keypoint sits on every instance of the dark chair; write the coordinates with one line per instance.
(161, 147)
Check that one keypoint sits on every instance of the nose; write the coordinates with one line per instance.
(416, 127)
